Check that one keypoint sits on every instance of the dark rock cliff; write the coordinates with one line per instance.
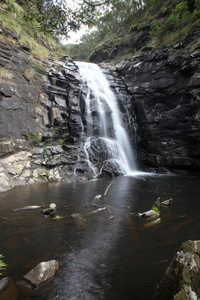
(166, 92)
(42, 112)
(39, 117)
(42, 117)
(165, 88)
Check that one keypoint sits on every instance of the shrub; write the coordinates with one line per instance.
(5, 75)
(2, 264)
(35, 138)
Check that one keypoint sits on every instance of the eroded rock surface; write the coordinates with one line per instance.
(182, 278)
(43, 272)
(164, 85)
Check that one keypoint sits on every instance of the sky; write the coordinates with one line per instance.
(74, 37)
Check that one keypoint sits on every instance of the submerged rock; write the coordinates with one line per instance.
(182, 278)
(79, 220)
(7, 289)
(43, 272)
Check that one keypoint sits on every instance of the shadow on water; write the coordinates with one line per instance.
(115, 255)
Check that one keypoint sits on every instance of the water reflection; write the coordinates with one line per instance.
(117, 254)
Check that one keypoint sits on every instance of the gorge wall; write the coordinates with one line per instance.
(166, 90)
(42, 111)
(42, 117)
(165, 87)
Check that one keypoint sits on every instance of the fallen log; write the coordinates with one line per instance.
(131, 223)
(148, 214)
(164, 203)
(50, 211)
(28, 207)
(167, 202)
(96, 211)
(150, 224)
(106, 191)
(163, 223)
(6, 219)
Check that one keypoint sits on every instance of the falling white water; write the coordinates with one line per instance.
(118, 147)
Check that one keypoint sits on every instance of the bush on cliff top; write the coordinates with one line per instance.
(27, 32)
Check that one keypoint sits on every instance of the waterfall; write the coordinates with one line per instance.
(105, 145)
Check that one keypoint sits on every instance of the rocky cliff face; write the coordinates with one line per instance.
(42, 117)
(39, 112)
(165, 88)
(42, 110)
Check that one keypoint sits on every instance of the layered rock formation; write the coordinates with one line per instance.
(182, 277)
(42, 112)
(165, 88)
(166, 92)
(42, 116)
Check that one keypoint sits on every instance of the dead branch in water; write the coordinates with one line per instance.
(96, 211)
(106, 191)
(131, 223)
(3, 218)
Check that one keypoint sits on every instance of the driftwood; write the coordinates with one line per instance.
(150, 224)
(164, 203)
(131, 223)
(96, 199)
(6, 219)
(96, 205)
(148, 214)
(167, 202)
(159, 262)
(96, 211)
(51, 210)
(28, 207)
(106, 191)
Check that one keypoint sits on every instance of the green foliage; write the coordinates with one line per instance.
(196, 12)
(12, 6)
(43, 174)
(57, 218)
(156, 28)
(178, 16)
(177, 24)
(156, 209)
(85, 48)
(35, 138)
(2, 264)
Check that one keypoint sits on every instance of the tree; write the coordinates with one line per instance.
(56, 17)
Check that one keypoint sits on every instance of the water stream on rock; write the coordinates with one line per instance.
(106, 145)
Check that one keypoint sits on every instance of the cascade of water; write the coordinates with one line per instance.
(104, 130)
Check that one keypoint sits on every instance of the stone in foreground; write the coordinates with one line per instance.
(182, 278)
(43, 272)
(7, 289)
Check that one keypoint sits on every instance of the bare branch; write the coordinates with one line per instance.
(96, 4)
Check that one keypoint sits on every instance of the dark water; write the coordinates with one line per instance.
(116, 256)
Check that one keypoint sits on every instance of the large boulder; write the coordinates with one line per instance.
(43, 272)
(182, 278)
